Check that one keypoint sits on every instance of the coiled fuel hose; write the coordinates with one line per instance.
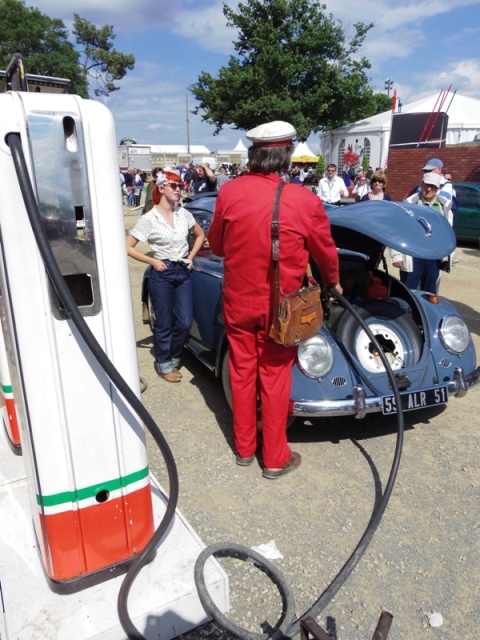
(286, 627)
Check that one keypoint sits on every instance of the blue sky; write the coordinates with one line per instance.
(423, 46)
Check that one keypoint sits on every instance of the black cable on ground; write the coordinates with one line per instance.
(14, 142)
(351, 563)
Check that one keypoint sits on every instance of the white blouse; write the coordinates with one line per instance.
(166, 242)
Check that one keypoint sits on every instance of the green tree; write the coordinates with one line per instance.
(293, 63)
(382, 103)
(320, 169)
(42, 42)
(99, 61)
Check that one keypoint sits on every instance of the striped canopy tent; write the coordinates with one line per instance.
(302, 153)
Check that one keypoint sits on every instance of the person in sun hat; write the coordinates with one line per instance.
(419, 273)
(445, 190)
(241, 233)
(166, 228)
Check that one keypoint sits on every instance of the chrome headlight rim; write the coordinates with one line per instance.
(449, 333)
(315, 357)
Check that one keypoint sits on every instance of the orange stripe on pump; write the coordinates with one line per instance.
(95, 537)
(12, 427)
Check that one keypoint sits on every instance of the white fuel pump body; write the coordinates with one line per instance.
(84, 448)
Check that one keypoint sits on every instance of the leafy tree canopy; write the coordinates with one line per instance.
(42, 42)
(100, 62)
(44, 46)
(382, 103)
(293, 63)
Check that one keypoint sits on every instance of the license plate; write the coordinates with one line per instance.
(412, 400)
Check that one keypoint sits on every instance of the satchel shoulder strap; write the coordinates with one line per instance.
(276, 249)
(276, 223)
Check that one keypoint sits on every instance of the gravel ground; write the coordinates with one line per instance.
(425, 555)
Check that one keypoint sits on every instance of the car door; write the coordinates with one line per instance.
(467, 221)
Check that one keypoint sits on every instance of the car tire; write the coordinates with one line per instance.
(227, 389)
(395, 329)
(225, 377)
(151, 313)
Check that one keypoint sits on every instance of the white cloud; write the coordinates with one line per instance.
(380, 47)
(206, 26)
(391, 14)
(151, 104)
(464, 75)
(122, 14)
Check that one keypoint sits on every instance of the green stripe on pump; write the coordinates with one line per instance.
(90, 492)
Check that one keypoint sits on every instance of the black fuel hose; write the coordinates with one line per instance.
(222, 549)
(14, 142)
(285, 628)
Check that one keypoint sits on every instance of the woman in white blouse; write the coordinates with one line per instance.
(166, 228)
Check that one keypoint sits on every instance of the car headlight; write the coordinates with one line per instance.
(315, 357)
(454, 334)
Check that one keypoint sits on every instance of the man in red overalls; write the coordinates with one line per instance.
(241, 232)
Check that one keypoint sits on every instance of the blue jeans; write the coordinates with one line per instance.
(171, 297)
(424, 276)
(131, 197)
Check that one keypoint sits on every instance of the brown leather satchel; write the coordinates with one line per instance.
(298, 316)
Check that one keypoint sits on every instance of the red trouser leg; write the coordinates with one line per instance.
(254, 357)
(275, 369)
(241, 333)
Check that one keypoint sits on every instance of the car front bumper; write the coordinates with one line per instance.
(359, 404)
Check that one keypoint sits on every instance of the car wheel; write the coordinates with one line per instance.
(394, 329)
(227, 389)
(225, 377)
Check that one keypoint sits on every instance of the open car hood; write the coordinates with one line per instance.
(415, 230)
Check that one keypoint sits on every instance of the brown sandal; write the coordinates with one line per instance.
(244, 462)
(292, 464)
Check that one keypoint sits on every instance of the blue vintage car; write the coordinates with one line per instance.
(338, 372)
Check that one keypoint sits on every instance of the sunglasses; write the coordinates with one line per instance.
(174, 185)
(379, 181)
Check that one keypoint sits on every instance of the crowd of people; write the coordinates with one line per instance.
(194, 179)
(258, 366)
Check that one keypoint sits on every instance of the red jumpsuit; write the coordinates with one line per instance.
(241, 232)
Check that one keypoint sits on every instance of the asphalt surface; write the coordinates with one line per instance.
(425, 556)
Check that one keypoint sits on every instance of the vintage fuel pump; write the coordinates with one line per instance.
(83, 446)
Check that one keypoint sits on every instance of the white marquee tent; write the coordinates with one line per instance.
(371, 136)
(302, 153)
(240, 146)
